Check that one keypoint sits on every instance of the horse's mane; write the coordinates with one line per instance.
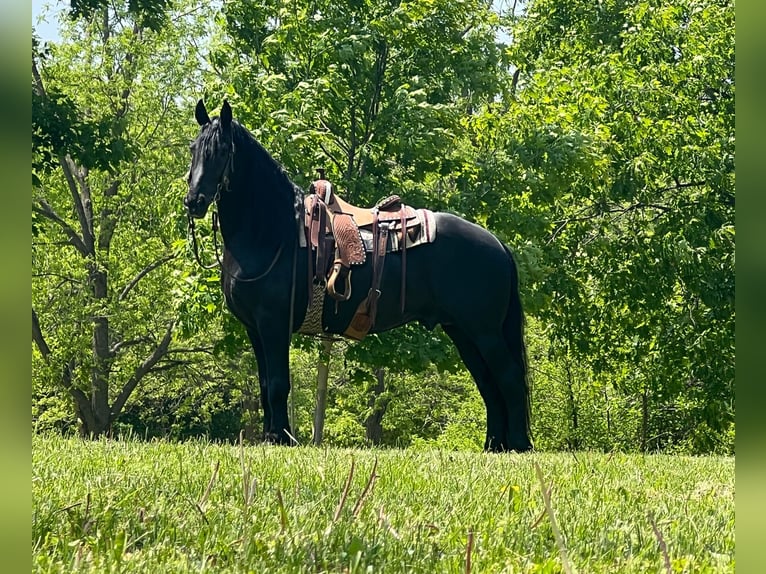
(244, 140)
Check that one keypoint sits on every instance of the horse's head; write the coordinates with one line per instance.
(212, 157)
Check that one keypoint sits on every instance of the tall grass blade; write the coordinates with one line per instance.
(370, 483)
(556, 532)
(663, 546)
(344, 495)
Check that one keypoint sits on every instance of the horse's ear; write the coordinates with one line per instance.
(226, 115)
(200, 113)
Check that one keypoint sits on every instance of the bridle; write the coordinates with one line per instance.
(223, 187)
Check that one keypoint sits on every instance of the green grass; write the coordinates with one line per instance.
(128, 506)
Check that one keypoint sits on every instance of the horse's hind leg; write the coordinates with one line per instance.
(508, 376)
(497, 423)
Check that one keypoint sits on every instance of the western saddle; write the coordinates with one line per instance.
(335, 228)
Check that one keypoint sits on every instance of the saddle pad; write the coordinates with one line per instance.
(312, 323)
(423, 232)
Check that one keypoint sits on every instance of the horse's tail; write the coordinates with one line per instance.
(513, 331)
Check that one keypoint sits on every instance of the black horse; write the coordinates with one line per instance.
(465, 280)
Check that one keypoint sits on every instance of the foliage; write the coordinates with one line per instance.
(367, 88)
(133, 506)
(418, 405)
(150, 14)
(612, 170)
(595, 138)
(108, 151)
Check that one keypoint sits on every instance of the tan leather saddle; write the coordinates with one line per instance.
(336, 228)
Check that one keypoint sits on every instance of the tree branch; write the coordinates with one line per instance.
(331, 157)
(107, 221)
(619, 210)
(166, 366)
(142, 370)
(333, 131)
(86, 197)
(143, 273)
(208, 350)
(515, 80)
(37, 337)
(680, 185)
(64, 278)
(130, 71)
(119, 345)
(39, 86)
(381, 62)
(68, 167)
(47, 211)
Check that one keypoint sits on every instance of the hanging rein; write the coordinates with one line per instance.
(195, 247)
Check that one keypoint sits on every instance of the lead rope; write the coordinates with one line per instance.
(215, 241)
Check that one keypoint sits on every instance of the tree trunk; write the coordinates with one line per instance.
(574, 437)
(323, 373)
(378, 405)
(252, 408)
(644, 419)
(608, 413)
(99, 393)
(82, 406)
(95, 422)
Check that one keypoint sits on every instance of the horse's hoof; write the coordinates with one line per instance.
(271, 438)
(277, 439)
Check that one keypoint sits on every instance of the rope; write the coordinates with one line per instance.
(219, 262)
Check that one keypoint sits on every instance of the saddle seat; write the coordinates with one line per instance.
(388, 209)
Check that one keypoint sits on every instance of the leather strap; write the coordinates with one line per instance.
(378, 259)
(364, 318)
(310, 232)
(318, 238)
(403, 244)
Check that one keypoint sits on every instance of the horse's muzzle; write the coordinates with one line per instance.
(196, 206)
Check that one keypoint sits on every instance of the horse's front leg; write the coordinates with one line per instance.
(275, 351)
(255, 341)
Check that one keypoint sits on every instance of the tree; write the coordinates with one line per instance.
(149, 14)
(108, 152)
(620, 144)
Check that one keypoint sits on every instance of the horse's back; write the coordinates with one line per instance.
(465, 275)
(465, 249)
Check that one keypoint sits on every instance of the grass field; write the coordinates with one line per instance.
(130, 506)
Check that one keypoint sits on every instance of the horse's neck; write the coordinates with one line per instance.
(255, 213)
